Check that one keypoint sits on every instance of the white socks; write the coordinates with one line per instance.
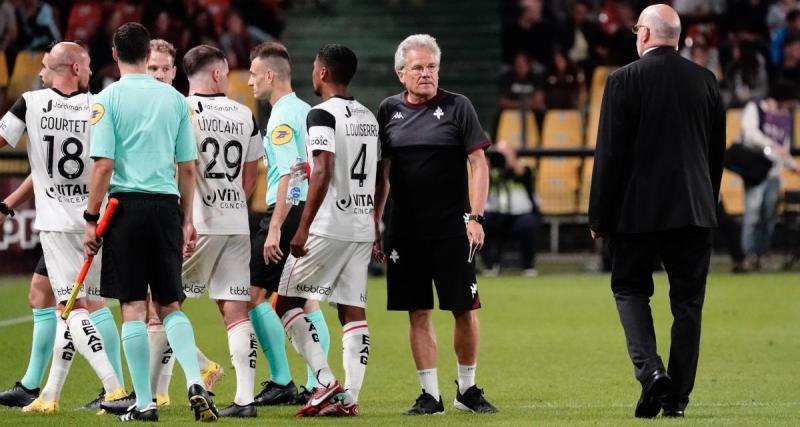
(90, 345)
(162, 359)
(243, 348)
(429, 382)
(63, 353)
(466, 377)
(355, 355)
(304, 338)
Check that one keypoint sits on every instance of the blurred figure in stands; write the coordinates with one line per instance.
(563, 84)
(511, 212)
(745, 79)
(521, 86)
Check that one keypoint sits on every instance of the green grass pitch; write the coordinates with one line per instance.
(552, 353)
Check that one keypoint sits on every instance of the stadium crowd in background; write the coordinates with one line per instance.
(552, 45)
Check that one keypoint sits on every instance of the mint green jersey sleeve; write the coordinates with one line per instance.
(283, 143)
(185, 147)
(103, 140)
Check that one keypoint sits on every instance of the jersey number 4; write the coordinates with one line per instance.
(357, 171)
(70, 165)
(234, 164)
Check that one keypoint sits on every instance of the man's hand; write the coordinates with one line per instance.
(91, 244)
(300, 167)
(475, 234)
(189, 239)
(377, 247)
(3, 218)
(298, 244)
(272, 248)
(594, 234)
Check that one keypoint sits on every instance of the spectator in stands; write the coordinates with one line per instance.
(779, 37)
(581, 37)
(745, 79)
(563, 84)
(165, 27)
(776, 14)
(790, 66)
(104, 68)
(531, 32)
(750, 17)
(697, 10)
(37, 27)
(622, 42)
(521, 87)
(731, 232)
(236, 41)
(767, 124)
(8, 25)
(701, 54)
(511, 212)
(200, 30)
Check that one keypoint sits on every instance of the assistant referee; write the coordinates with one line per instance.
(140, 129)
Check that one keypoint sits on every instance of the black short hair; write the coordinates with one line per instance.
(132, 41)
(340, 61)
(199, 57)
(783, 90)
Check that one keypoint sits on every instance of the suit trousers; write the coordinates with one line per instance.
(685, 253)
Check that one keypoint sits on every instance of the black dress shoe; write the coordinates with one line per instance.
(673, 413)
(654, 390)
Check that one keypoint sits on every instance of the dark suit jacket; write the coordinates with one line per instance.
(660, 144)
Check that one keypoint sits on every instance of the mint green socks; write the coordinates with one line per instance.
(44, 333)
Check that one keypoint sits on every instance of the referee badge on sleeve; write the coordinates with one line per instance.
(281, 135)
(98, 111)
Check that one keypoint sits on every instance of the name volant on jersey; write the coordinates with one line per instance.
(64, 124)
(361, 129)
(68, 193)
(223, 126)
(225, 198)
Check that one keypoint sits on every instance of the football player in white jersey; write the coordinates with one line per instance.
(229, 149)
(161, 65)
(331, 249)
(57, 121)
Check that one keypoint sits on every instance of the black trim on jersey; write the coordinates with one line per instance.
(346, 98)
(320, 117)
(256, 130)
(19, 108)
(209, 95)
(77, 92)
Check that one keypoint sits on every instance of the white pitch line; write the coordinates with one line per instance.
(29, 318)
(629, 405)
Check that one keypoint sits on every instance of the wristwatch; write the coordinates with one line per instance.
(476, 217)
(91, 217)
(5, 210)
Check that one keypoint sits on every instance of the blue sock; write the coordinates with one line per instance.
(181, 338)
(269, 330)
(137, 352)
(44, 333)
(104, 322)
(318, 320)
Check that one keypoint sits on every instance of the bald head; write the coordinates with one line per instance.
(659, 25)
(69, 64)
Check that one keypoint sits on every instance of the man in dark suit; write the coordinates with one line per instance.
(655, 184)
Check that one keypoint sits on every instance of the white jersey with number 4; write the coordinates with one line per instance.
(227, 138)
(58, 151)
(349, 130)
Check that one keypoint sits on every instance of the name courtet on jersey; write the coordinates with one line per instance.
(63, 124)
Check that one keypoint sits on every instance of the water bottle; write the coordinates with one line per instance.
(295, 182)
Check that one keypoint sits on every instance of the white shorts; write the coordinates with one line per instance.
(332, 270)
(220, 263)
(63, 255)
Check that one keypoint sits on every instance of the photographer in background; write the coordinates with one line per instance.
(511, 211)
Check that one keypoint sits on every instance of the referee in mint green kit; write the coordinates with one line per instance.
(140, 130)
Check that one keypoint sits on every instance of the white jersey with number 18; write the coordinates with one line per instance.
(349, 130)
(58, 151)
(227, 138)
